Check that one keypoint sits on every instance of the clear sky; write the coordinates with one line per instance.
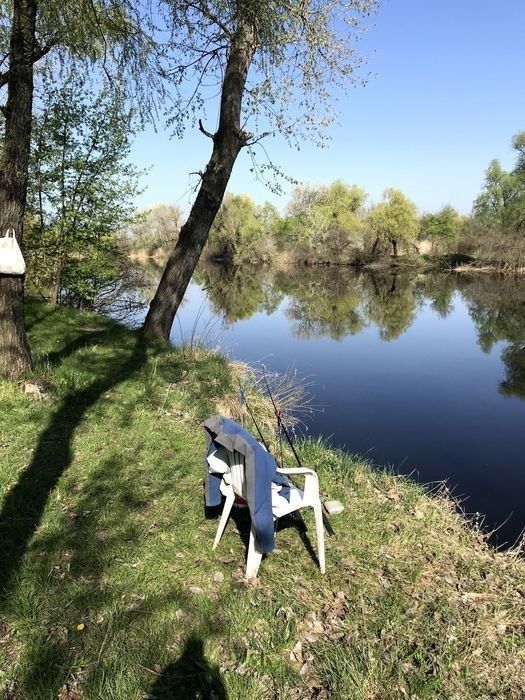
(447, 97)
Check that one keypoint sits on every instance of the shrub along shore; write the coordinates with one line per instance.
(110, 588)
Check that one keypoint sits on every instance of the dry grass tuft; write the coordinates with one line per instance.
(289, 392)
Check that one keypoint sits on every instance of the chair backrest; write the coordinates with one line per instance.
(233, 466)
(238, 473)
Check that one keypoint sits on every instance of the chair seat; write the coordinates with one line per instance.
(282, 505)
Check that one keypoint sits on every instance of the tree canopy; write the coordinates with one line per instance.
(243, 230)
(118, 37)
(502, 199)
(302, 53)
(326, 218)
(394, 219)
(81, 190)
(261, 59)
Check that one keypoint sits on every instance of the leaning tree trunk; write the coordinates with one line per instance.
(227, 144)
(15, 356)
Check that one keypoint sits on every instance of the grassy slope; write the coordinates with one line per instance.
(112, 589)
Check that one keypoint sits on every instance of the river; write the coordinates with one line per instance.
(423, 373)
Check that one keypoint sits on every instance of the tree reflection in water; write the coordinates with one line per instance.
(336, 302)
(497, 307)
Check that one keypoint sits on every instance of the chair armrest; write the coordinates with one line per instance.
(311, 482)
(295, 470)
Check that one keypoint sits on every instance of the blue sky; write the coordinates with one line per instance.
(447, 96)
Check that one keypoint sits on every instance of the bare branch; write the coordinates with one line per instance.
(206, 133)
(104, 41)
(203, 8)
(252, 142)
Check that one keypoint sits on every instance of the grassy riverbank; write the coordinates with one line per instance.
(111, 589)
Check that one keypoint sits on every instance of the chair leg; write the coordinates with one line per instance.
(319, 531)
(254, 556)
(230, 497)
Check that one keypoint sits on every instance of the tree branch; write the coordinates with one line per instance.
(38, 53)
(104, 41)
(205, 11)
(41, 51)
(256, 139)
(206, 133)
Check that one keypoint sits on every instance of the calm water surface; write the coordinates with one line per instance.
(422, 373)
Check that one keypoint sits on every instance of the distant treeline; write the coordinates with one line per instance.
(334, 224)
(154, 231)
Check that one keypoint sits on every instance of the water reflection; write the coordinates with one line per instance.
(497, 308)
(238, 293)
(321, 303)
(336, 302)
(514, 358)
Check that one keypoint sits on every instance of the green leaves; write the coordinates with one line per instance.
(81, 190)
(326, 218)
(394, 219)
(243, 229)
(501, 202)
(305, 52)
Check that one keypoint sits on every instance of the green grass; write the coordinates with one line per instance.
(111, 589)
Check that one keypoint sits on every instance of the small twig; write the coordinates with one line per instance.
(256, 139)
(155, 673)
(103, 643)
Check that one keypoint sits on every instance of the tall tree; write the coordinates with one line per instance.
(326, 221)
(501, 202)
(15, 356)
(495, 204)
(243, 230)
(394, 220)
(297, 53)
(109, 32)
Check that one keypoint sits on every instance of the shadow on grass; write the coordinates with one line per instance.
(191, 677)
(33, 321)
(24, 504)
(241, 518)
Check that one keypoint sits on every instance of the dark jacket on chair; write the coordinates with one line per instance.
(260, 473)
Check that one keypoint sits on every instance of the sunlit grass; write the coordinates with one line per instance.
(112, 589)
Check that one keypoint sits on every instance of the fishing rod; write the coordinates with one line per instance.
(243, 400)
(295, 514)
(282, 427)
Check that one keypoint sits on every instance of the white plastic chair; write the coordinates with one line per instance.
(233, 483)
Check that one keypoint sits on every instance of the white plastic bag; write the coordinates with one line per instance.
(11, 259)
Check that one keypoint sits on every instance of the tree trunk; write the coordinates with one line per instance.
(15, 356)
(227, 144)
(394, 247)
(55, 288)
